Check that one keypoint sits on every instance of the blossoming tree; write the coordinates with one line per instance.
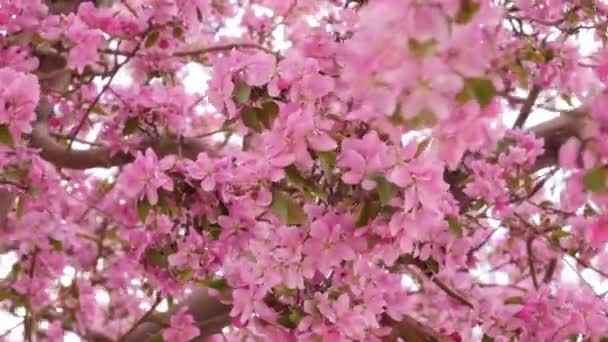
(339, 170)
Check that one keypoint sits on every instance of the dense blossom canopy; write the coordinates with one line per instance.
(304, 170)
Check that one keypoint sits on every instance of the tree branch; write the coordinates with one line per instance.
(526, 107)
(7, 199)
(62, 157)
(555, 133)
(209, 313)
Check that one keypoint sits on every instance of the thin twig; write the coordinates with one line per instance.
(103, 90)
(531, 261)
(219, 48)
(142, 318)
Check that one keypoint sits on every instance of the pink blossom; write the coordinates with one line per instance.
(18, 99)
(146, 175)
(182, 327)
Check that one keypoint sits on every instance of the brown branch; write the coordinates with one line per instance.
(143, 318)
(531, 261)
(7, 199)
(526, 107)
(220, 48)
(62, 157)
(555, 133)
(411, 330)
(209, 313)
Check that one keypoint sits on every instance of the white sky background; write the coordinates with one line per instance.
(196, 83)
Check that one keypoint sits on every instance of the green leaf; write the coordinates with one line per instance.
(5, 294)
(5, 136)
(386, 190)
(432, 265)
(56, 244)
(514, 300)
(327, 161)
(368, 210)
(97, 109)
(487, 338)
(242, 92)
(143, 208)
(20, 207)
(156, 257)
(290, 319)
(305, 185)
(288, 210)
(250, 119)
(505, 144)
(158, 337)
(397, 116)
(468, 9)
(422, 146)
(595, 179)
(522, 75)
(421, 49)
(178, 32)
(455, 226)
(269, 112)
(464, 96)
(152, 39)
(131, 126)
(423, 119)
(558, 234)
(218, 284)
(483, 90)
(247, 142)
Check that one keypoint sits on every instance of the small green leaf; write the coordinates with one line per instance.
(422, 146)
(558, 234)
(5, 294)
(288, 210)
(468, 9)
(152, 39)
(397, 116)
(56, 244)
(487, 338)
(522, 75)
(386, 190)
(514, 300)
(5, 136)
(250, 118)
(327, 161)
(425, 118)
(595, 179)
(143, 209)
(296, 179)
(178, 32)
(505, 144)
(483, 90)
(156, 257)
(247, 142)
(368, 210)
(97, 109)
(421, 49)
(242, 92)
(432, 265)
(464, 96)
(131, 126)
(218, 284)
(158, 337)
(20, 207)
(269, 112)
(455, 226)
